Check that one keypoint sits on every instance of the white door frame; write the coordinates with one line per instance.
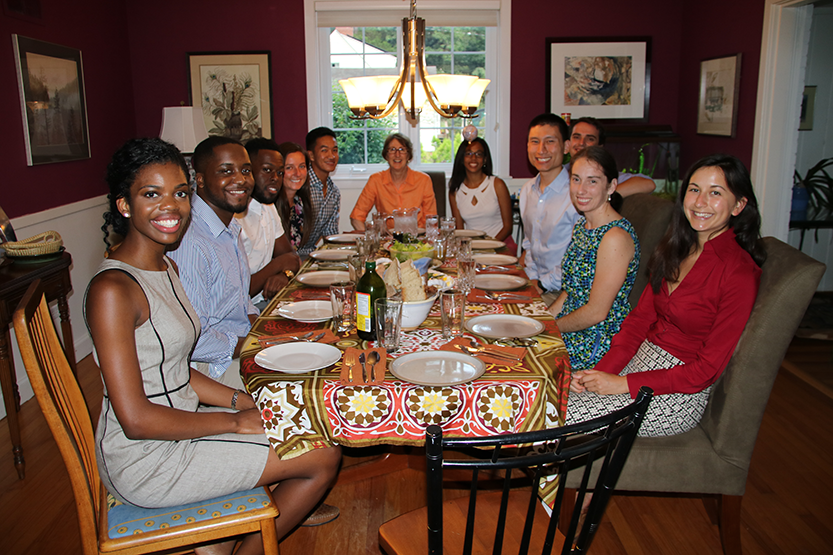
(784, 44)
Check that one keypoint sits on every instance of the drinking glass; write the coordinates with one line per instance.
(453, 307)
(342, 296)
(432, 227)
(356, 267)
(465, 265)
(363, 245)
(447, 226)
(388, 323)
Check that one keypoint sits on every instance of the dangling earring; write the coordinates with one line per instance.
(608, 198)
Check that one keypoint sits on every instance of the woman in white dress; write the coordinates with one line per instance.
(478, 199)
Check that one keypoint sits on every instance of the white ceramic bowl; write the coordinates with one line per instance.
(414, 313)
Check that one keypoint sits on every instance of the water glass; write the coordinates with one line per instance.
(342, 296)
(453, 308)
(355, 267)
(447, 226)
(432, 227)
(464, 247)
(465, 273)
(388, 323)
(364, 245)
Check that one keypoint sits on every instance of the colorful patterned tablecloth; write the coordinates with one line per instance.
(302, 412)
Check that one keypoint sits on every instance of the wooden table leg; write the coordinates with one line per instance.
(11, 399)
(66, 331)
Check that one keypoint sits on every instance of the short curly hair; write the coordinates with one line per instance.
(122, 170)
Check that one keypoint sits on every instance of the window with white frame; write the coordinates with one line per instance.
(355, 44)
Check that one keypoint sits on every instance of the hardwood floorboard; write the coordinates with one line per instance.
(786, 508)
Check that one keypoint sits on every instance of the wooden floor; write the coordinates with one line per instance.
(787, 507)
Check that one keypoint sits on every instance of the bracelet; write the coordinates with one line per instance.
(234, 399)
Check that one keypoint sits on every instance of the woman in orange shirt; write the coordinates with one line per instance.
(397, 187)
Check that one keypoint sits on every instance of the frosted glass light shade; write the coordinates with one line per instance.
(184, 126)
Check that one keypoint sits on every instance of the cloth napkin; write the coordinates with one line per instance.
(352, 355)
(479, 296)
(329, 337)
(310, 294)
(518, 352)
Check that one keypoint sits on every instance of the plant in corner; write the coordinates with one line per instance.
(819, 185)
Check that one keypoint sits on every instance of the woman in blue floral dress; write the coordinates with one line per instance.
(600, 264)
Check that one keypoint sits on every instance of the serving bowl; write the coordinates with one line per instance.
(402, 256)
(414, 313)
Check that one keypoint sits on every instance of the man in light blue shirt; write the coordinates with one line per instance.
(213, 266)
(547, 212)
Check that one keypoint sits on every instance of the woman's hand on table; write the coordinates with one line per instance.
(249, 422)
(598, 382)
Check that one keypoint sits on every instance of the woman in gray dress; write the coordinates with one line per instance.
(168, 434)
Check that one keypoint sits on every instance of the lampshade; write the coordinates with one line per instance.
(183, 126)
(452, 90)
(368, 93)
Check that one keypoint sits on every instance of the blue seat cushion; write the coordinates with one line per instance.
(125, 520)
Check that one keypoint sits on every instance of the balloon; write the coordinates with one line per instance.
(470, 133)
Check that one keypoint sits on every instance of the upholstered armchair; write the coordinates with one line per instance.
(714, 457)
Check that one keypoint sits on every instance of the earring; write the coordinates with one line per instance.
(608, 198)
(126, 215)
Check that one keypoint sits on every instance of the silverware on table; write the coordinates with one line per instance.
(505, 296)
(373, 359)
(483, 351)
(350, 363)
(289, 339)
(362, 361)
(316, 338)
(495, 267)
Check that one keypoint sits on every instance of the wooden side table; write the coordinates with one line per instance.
(14, 280)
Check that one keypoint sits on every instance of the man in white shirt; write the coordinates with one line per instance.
(272, 260)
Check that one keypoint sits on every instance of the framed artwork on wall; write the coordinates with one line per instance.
(604, 78)
(51, 82)
(234, 90)
(717, 110)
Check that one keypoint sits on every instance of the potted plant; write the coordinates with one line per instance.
(819, 187)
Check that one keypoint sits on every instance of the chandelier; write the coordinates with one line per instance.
(376, 97)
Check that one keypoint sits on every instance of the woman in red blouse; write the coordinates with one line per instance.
(682, 333)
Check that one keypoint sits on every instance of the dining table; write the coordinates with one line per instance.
(302, 412)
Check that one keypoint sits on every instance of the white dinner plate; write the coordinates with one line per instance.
(298, 358)
(495, 259)
(308, 312)
(437, 368)
(343, 238)
(332, 254)
(323, 278)
(487, 244)
(496, 326)
(469, 233)
(498, 282)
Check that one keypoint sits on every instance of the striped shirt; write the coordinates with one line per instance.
(214, 271)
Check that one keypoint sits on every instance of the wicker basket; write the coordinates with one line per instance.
(48, 242)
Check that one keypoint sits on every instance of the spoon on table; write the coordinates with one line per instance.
(373, 359)
(362, 361)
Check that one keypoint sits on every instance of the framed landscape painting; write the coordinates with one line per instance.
(717, 110)
(51, 82)
(600, 78)
(233, 89)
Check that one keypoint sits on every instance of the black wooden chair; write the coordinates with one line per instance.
(511, 519)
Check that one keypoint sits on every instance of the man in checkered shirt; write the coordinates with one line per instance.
(326, 198)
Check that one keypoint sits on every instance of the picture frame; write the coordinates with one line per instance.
(717, 107)
(808, 109)
(574, 65)
(214, 76)
(50, 78)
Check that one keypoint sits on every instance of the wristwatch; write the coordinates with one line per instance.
(289, 274)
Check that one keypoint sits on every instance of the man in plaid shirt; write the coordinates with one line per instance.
(326, 198)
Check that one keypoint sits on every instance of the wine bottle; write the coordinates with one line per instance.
(369, 288)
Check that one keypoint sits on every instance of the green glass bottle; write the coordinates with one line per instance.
(369, 288)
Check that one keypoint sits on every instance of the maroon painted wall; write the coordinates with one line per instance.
(658, 19)
(738, 29)
(97, 28)
(162, 32)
